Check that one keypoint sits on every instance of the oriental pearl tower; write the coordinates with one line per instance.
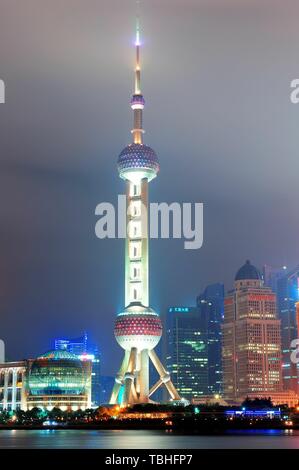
(138, 328)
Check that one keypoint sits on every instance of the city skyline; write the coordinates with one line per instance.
(192, 341)
(56, 278)
(109, 370)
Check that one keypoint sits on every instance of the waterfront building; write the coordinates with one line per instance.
(211, 307)
(13, 386)
(209, 400)
(84, 350)
(187, 350)
(283, 397)
(55, 379)
(251, 351)
(138, 328)
(59, 379)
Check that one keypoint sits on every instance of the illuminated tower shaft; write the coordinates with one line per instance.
(138, 328)
(136, 275)
(136, 282)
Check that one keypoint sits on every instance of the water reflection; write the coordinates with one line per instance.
(134, 439)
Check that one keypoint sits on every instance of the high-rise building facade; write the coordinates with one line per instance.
(211, 308)
(76, 346)
(187, 351)
(272, 274)
(85, 351)
(138, 328)
(251, 340)
(287, 296)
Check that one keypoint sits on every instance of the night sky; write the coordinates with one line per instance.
(216, 78)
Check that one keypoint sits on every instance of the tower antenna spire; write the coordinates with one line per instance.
(137, 101)
(138, 22)
(137, 46)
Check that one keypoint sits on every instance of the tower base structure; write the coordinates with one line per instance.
(132, 381)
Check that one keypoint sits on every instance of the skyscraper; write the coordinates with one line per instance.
(251, 353)
(138, 327)
(76, 346)
(82, 348)
(187, 351)
(271, 275)
(211, 308)
(287, 296)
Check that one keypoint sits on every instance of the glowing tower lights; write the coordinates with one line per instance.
(138, 328)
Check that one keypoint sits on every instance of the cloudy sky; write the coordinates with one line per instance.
(216, 77)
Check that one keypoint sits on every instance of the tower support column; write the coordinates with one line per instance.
(119, 379)
(164, 376)
(130, 395)
(144, 376)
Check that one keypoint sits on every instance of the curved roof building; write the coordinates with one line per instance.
(59, 379)
(248, 271)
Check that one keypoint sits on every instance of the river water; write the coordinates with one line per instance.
(145, 439)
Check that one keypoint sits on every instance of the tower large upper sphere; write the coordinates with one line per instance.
(137, 161)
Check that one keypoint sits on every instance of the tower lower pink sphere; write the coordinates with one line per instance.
(138, 327)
